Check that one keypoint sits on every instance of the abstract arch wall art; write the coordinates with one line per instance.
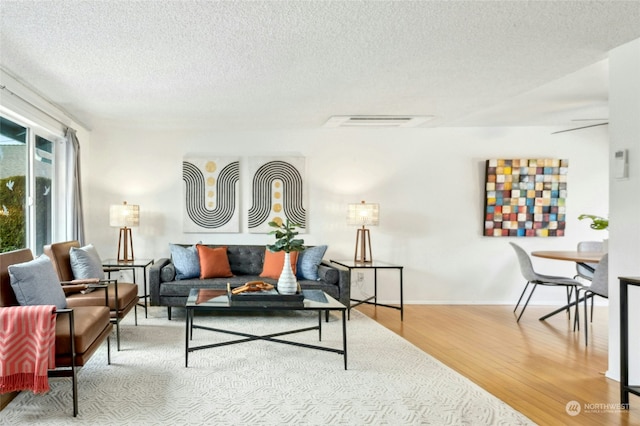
(277, 192)
(211, 201)
(525, 198)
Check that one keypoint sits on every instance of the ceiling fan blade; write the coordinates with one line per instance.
(579, 128)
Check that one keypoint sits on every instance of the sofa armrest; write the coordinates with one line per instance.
(344, 280)
(155, 279)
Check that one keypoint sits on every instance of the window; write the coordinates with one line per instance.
(27, 186)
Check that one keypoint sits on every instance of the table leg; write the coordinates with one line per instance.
(564, 308)
(344, 337)
(146, 295)
(375, 286)
(186, 339)
(624, 347)
(401, 298)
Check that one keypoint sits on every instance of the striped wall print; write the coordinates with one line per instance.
(277, 192)
(211, 200)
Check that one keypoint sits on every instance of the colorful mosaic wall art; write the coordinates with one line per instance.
(525, 198)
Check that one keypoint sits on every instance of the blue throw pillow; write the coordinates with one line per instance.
(308, 262)
(186, 261)
(86, 263)
(36, 283)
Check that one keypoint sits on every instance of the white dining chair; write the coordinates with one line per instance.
(532, 277)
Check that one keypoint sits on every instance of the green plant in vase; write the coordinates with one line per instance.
(597, 222)
(287, 242)
(600, 224)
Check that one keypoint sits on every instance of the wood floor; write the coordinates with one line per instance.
(537, 367)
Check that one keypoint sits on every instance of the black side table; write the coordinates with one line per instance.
(352, 265)
(114, 265)
(625, 387)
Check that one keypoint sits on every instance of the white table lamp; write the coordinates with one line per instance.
(363, 214)
(124, 216)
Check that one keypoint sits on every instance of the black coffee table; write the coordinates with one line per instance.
(314, 300)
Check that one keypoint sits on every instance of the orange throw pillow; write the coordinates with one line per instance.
(214, 262)
(274, 262)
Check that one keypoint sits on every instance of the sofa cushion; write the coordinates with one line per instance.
(186, 261)
(214, 262)
(246, 259)
(168, 272)
(328, 274)
(308, 262)
(85, 262)
(274, 262)
(36, 283)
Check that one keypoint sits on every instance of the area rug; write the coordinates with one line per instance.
(388, 381)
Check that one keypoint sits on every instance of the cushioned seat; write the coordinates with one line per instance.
(127, 298)
(88, 326)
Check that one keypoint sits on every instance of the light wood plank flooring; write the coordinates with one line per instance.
(537, 367)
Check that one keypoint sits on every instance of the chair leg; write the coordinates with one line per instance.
(108, 350)
(74, 386)
(135, 314)
(576, 315)
(118, 333)
(169, 312)
(527, 302)
(521, 294)
(569, 294)
(586, 323)
(576, 322)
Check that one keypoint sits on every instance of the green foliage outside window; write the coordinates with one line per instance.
(13, 214)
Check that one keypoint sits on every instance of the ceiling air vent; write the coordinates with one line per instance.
(377, 120)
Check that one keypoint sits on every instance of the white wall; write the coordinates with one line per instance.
(624, 101)
(429, 183)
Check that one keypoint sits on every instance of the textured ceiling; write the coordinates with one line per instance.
(293, 64)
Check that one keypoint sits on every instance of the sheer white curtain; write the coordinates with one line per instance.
(75, 217)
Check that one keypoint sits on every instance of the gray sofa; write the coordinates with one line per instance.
(246, 265)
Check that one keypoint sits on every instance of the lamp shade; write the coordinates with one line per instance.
(124, 215)
(363, 214)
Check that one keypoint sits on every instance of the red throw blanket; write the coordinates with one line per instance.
(27, 347)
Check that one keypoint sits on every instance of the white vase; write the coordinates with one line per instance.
(287, 283)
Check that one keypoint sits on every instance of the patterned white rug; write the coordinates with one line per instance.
(388, 381)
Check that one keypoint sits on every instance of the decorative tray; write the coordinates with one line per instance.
(266, 298)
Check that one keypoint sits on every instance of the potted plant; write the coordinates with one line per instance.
(597, 222)
(287, 242)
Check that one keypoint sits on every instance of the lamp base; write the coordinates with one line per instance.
(363, 243)
(125, 244)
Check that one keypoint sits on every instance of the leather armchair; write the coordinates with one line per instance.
(123, 297)
(79, 330)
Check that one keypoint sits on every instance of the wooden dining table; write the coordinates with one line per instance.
(583, 258)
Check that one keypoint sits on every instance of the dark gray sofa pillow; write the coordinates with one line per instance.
(328, 275)
(168, 273)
